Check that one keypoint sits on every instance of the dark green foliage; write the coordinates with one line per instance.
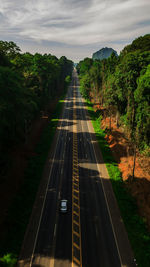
(84, 65)
(135, 226)
(142, 44)
(10, 49)
(27, 84)
(20, 210)
(121, 85)
(142, 98)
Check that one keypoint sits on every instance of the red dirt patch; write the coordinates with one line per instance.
(123, 152)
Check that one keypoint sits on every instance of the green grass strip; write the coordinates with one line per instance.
(20, 211)
(137, 232)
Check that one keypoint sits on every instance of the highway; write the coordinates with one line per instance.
(87, 235)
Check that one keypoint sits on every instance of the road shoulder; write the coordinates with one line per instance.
(123, 244)
(32, 228)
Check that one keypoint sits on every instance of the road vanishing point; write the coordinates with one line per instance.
(91, 233)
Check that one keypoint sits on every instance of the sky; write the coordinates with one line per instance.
(73, 28)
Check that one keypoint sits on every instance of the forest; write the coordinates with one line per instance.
(117, 94)
(32, 91)
(121, 85)
(28, 83)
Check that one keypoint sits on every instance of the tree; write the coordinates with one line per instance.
(122, 86)
(9, 49)
(110, 97)
(140, 44)
(142, 98)
(11, 106)
(27, 84)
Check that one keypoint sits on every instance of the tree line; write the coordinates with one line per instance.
(27, 84)
(121, 85)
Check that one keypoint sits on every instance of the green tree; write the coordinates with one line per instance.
(140, 44)
(28, 83)
(110, 98)
(142, 98)
(9, 49)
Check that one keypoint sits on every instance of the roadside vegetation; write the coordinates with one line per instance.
(28, 85)
(21, 207)
(122, 86)
(135, 225)
(119, 87)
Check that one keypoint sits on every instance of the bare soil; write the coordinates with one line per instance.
(122, 150)
(120, 147)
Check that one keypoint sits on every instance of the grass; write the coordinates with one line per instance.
(21, 208)
(135, 225)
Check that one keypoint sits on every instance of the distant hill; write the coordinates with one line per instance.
(104, 53)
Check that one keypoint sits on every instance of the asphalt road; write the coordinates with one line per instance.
(85, 235)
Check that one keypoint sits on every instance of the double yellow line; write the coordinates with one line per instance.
(76, 227)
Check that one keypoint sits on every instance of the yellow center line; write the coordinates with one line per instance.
(75, 190)
(76, 245)
(76, 204)
(76, 213)
(76, 223)
(76, 231)
(75, 197)
(76, 261)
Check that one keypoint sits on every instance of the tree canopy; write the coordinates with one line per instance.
(27, 84)
(122, 85)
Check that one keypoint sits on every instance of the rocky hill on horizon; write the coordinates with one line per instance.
(104, 53)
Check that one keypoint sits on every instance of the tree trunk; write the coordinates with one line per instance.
(110, 119)
(134, 160)
(117, 118)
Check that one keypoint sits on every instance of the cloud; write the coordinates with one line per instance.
(77, 23)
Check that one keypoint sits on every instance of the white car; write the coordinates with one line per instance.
(63, 205)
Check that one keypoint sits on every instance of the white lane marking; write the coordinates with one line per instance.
(32, 256)
(55, 229)
(52, 260)
(104, 191)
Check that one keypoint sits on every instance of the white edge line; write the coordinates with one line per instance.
(55, 229)
(60, 184)
(104, 192)
(31, 261)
